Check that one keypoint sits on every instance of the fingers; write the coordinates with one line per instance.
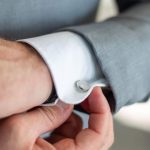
(68, 130)
(26, 127)
(49, 118)
(41, 144)
(100, 117)
(100, 126)
(99, 110)
(109, 138)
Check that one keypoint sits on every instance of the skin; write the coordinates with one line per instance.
(22, 131)
(22, 67)
(25, 80)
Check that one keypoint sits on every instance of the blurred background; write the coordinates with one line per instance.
(132, 123)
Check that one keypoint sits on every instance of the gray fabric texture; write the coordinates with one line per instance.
(30, 18)
(121, 44)
(122, 47)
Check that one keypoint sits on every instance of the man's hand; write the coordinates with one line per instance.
(25, 81)
(22, 131)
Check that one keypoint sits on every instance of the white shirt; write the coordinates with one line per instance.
(73, 67)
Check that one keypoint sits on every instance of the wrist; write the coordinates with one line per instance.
(25, 80)
(43, 72)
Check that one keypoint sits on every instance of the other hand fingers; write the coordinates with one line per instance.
(22, 130)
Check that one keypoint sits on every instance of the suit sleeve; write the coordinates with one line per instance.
(122, 48)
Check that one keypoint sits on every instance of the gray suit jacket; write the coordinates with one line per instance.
(121, 44)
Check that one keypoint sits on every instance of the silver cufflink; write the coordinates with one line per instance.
(82, 85)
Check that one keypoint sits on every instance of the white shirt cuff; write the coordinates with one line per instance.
(73, 66)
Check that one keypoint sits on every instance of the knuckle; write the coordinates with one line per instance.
(107, 142)
(112, 137)
(49, 114)
(112, 140)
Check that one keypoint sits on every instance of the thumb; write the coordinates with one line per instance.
(36, 122)
(44, 119)
(26, 127)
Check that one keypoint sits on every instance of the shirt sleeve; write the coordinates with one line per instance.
(122, 47)
(72, 65)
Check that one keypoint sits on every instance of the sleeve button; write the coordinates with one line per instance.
(82, 85)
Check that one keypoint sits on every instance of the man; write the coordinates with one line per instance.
(76, 58)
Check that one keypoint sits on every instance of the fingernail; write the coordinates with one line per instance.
(62, 105)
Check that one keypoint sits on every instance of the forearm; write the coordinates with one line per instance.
(25, 81)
